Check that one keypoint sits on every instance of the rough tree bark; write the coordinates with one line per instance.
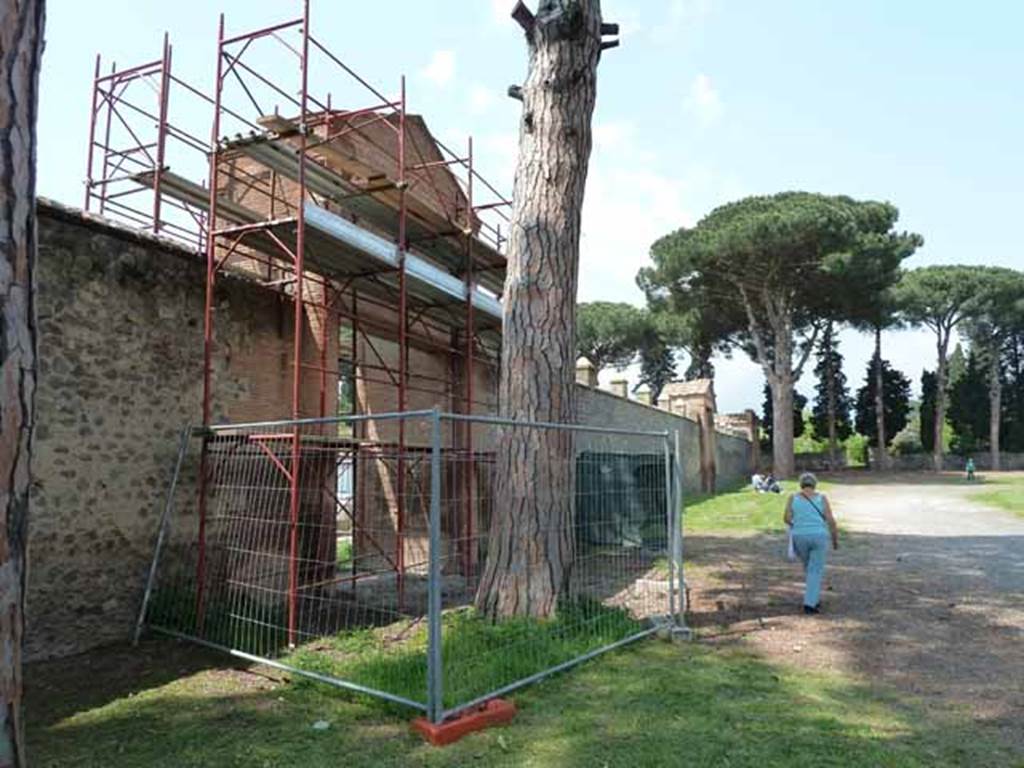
(530, 546)
(883, 455)
(21, 48)
(783, 460)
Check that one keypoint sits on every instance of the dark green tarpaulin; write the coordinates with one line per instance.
(620, 500)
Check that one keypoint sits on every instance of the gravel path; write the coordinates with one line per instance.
(977, 546)
(926, 594)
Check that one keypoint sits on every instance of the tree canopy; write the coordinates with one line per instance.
(941, 297)
(766, 272)
(609, 334)
(998, 314)
(657, 361)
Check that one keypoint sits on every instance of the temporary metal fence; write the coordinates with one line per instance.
(423, 575)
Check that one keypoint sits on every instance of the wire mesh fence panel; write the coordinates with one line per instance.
(555, 547)
(303, 543)
(431, 560)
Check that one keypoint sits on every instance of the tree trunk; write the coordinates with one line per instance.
(995, 399)
(830, 386)
(21, 48)
(883, 454)
(783, 463)
(942, 346)
(530, 545)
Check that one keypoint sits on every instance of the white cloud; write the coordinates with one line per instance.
(481, 99)
(626, 208)
(441, 68)
(704, 100)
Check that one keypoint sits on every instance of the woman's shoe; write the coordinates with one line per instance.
(812, 608)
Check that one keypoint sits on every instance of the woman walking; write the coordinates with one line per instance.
(811, 524)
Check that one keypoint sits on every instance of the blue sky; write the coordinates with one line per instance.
(919, 103)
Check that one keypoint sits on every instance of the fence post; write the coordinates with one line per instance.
(677, 542)
(435, 668)
(165, 518)
(671, 529)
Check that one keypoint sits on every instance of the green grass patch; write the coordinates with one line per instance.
(1006, 492)
(479, 655)
(742, 511)
(344, 556)
(655, 704)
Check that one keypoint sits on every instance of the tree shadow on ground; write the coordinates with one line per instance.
(58, 688)
(937, 617)
(657, 704)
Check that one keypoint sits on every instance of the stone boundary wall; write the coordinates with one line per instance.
(1009, 462)
(733, 455)
(734, 461)
(120, 375)
(819, 461)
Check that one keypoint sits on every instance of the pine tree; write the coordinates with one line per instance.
(538, 354)
(929, 392)
(657, 364)
(957, 365)
(799, 403)
(969, 408)
(830, 417)
(1013, 402)
(895, 399)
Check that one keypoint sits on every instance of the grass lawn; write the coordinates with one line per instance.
(655, 704)
(1003, 491)
(480, 656)
(742, 511)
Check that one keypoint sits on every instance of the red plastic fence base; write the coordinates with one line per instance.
(494, 712)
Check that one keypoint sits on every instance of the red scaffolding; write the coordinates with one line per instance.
(403, 242)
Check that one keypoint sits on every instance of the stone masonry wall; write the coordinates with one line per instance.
(121, 331)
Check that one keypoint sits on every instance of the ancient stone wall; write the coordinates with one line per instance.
(121, 334)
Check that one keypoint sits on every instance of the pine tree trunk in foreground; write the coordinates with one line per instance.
(883, 454)
(21, 47)
(530, 546)
(783, 460)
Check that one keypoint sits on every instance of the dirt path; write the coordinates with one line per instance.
(925, 594)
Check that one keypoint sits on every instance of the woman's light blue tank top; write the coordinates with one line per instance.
(807, 519)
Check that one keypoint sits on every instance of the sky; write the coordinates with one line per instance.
(920, 103)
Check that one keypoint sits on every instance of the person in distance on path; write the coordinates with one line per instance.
(810, 516)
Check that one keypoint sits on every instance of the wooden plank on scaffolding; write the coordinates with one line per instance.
(198, 196)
